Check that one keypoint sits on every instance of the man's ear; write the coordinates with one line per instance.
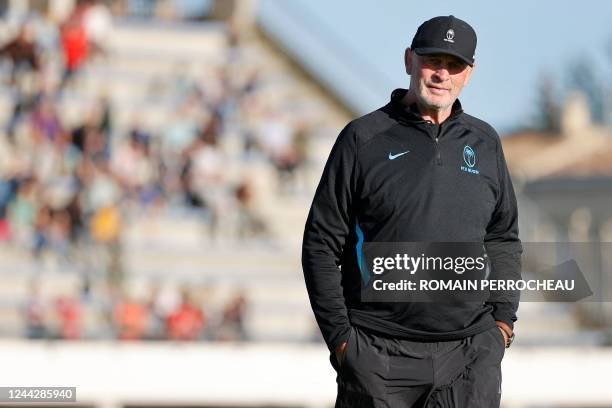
(408, 60)
(469, 74)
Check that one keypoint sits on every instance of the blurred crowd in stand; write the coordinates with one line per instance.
(163, 315)
(68, 186)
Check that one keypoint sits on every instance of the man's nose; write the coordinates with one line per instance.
(441, 73)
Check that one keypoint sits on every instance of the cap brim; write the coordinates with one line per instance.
(433, 50)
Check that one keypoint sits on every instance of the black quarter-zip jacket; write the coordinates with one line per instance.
(393, 177)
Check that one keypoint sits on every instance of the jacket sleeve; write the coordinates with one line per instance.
(503, 245)
(325, 234)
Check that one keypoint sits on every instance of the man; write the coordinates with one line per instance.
(418, 169)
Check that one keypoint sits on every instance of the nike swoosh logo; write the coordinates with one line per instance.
(395, 156)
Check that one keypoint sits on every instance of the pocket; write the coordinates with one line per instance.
(337, 365)
(500, 338)
(347, 348)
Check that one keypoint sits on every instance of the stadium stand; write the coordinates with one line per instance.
(170, 157)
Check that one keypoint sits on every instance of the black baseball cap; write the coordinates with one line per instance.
(446, 35)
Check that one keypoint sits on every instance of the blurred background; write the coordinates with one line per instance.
(157, 163)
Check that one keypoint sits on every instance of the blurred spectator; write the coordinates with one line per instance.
(156, 313)
(68, 310)
(136, 168)
(76, 220)
(22, 53)
(58, 233)
(27, 73)
(130, 319)
(42, 221)
(91, 136)
(276, 139)
(301, 138)
(22, 212)
(105, 228)
(187, 321)
(34, 312)
(98, 24)
(250, 224)
(205, 175)
(73, 37)
(45, 122)
(231, 327)
(7, 188)
(25, 101)
(106, 224)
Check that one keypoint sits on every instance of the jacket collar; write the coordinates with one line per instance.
(398, 110)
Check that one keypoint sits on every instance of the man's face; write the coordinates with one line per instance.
(437, 79)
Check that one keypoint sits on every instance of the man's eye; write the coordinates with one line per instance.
(456, 66)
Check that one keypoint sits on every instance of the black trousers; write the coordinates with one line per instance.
(378, 371)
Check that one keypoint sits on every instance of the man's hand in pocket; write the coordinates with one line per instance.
(340, 350)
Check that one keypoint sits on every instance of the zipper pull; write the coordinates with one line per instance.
(438, 155)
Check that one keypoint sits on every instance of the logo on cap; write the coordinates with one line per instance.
(450, 35)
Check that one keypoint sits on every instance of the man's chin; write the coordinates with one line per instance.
(435, 104)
